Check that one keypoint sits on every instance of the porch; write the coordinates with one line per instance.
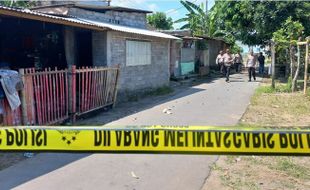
(55, 60)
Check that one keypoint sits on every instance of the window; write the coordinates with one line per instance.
(138, 53)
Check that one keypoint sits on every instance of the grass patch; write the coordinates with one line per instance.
(287, 165)
(272, 108)
(308, 92)
(267, 89)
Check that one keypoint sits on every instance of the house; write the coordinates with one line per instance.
(193, 54)
(85, 35)
(142, 54)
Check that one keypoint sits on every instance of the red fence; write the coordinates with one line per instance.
(10, 117)
(96, 88)
(52, 96)
(49, 91)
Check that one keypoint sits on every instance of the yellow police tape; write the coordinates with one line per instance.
(157, 139)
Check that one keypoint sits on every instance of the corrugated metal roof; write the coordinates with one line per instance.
(132, 30)
(17, 12)
(93, 5)
(79, 22)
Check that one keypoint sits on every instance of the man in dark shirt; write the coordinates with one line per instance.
(261, 60)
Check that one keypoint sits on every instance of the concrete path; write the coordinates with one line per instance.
(213, 103)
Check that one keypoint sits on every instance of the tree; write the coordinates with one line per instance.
(159, 20)
(285, 37)
(254, 22)
(201, 23)
(195, 20)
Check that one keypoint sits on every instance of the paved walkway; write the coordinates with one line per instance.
(213, 103)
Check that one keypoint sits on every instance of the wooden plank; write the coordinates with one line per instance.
(79, 91)
(302, 43)
(116, 86)
(57, 94)
(93, 97)
(73, 93)
(67, 94)
(38, 111)
(83, 90)
(44, 103)
(54, 97)
(89, 90)
(62, 101)
(306, 65)
(96, 104)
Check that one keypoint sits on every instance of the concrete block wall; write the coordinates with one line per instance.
(188, 55)
(137, 20)
(144, 77)
(214, 48)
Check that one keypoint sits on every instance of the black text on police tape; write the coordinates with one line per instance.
(220, 139)
(21, 137)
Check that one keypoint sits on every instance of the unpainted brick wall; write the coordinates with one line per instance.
(144, 77)
(137, 20)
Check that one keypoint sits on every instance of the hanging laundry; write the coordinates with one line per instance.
(11, 82)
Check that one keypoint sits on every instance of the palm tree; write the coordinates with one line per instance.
(195, 19)
(201, 23)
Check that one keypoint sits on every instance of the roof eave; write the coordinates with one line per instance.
(25, 15)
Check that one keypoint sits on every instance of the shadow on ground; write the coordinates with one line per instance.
(123, 109)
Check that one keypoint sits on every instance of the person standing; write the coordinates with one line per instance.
(251, 63)
(220, 61)
(261, 61)
(238, 61)
(228, 62)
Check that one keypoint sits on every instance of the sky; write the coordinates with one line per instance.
(173, 8)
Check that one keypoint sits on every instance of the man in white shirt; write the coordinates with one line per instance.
(228, 62)
(251, 63)
(238, 61)
(220, 61)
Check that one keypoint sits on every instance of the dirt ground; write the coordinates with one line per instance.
(269, 172)
(8, 159)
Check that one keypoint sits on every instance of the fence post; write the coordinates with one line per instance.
(116, 84)
(72, 93)
(306, 65)
(23, 98)
(273, 62)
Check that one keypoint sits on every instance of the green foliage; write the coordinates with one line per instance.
(235, 48)
(289, 83)
(201, 23)
(195, 19)
(160, 20)
(14, 3)
(254, 22)
(280, 88)
(289, 32)
(287, 165)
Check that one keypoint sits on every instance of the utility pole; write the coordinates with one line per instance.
(207, 7)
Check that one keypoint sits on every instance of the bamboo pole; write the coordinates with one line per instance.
(306, 65)
(273, 62)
